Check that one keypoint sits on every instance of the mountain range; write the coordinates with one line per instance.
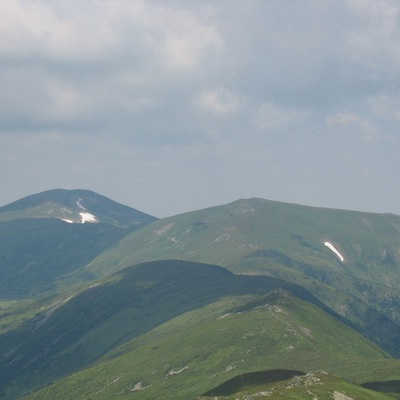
(252, 299)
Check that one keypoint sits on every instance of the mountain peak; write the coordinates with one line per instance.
(74, 206)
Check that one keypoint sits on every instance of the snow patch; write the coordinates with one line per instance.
(79, 204)
(87, 217)
(225, 237)
(67, 220)
(332, 247)
(164, 229)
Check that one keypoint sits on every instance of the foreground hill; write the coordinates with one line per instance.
(314, 385)
(217, 326)
(75, 331)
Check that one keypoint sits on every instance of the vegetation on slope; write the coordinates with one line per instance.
(313, 385)
(199, 350)
(288, 241)
(214, 325)
(37, 256)
(76, 331)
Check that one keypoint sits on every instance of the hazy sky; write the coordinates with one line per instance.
(169, 106)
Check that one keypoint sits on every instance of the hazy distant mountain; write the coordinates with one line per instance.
(74, 206)
(46, 237)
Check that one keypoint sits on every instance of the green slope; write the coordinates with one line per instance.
(37, 256)
(265, 229)
(287, 241)
(201, 349)
(39, 251)
(314, 385)
(214, 325)
(75, 331)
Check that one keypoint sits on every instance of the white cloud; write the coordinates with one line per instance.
(65, 97)
(354, 123)
(348, 118)
(187, 41)
(219, 101)
(35, 28)
(374, 36)
(97, 30)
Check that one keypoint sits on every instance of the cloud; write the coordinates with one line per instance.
(99, 65)
(45, 30)
(188, 94)
(347, 118)
(354, 124)
(375, 33)
(218, 101)
(187, 41)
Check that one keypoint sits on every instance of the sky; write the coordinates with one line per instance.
(170, 106)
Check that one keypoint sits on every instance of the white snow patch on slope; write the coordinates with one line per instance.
(332, 247)
(78, 203)
(67, 220)
(87, 217)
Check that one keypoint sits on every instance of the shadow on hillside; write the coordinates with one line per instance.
(248, 380)
(389, 387)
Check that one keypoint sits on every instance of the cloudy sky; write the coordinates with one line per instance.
(174, 105)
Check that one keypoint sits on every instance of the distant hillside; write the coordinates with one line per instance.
(39, 255)
(348, 259)
(74, 206)
(46, 237)
(215, 326)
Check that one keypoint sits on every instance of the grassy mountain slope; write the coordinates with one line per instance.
(180, 328)
(39, 251)
(258, 228)
(73, 332)
(288, 241)
(314, 385)
(199, 350)
(37, 255)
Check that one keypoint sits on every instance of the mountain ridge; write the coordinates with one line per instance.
(109, 289)
(74, 206)
(80, 331)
